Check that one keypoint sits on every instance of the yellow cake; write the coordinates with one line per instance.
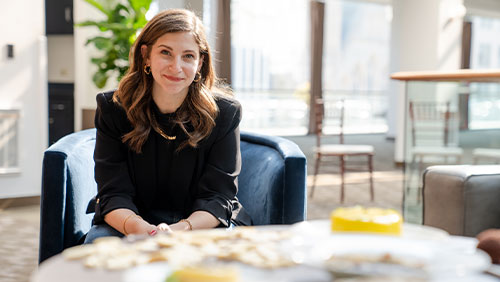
(368, 220)
(204, 274)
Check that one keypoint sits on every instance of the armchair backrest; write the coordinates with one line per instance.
(272, 186)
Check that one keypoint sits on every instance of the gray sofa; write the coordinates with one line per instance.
(462, 199)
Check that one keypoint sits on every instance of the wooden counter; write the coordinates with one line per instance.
(465, 75)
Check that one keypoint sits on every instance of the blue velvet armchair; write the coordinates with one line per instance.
(272, 186)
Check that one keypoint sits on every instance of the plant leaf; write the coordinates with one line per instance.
(98, 6)
(115, 27)
(100, 42)
(140, 22)
(117, 16)
(97, 61)
(87, 23)
(118, 33)
(100, 78)
(137, 5)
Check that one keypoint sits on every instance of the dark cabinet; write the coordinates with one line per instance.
(61, 110)
(59, 16)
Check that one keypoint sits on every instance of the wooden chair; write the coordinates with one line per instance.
(342, 151)
(432, 130)
(433, 135)
(487, 154)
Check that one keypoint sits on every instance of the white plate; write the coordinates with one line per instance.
(441, 255)
(321, 229)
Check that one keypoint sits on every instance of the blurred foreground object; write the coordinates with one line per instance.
(367, 220)
(489, 241)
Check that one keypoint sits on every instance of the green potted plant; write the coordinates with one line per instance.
(123, 20)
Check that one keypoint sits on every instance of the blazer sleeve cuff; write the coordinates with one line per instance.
(103, 207)
(219, 210)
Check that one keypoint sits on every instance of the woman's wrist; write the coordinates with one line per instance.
(126, 221)
(136, 225)
(187, 222)
(181, 225)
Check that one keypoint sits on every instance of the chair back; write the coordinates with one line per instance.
(431, 122)
(336, 111)
(272, 186)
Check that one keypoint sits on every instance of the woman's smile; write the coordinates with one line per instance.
(173, 78)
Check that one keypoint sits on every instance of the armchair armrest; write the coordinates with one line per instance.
(67, 186)
(272, 183)
(462, 199)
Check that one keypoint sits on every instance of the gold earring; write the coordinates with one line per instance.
(197, 77)
(147, 69)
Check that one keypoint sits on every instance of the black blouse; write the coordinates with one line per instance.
(160, 183)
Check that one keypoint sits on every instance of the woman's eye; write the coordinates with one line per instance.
(165, 52)
(189, 56)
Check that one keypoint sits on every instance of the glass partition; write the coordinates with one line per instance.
(448, 120)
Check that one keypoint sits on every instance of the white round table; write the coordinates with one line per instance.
(58, 269)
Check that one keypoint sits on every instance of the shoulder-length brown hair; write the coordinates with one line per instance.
(134, 91)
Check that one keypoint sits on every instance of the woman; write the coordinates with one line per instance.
(167, 150)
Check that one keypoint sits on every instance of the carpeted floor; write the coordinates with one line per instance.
(19, 229)
(388, 178)
(19, 218)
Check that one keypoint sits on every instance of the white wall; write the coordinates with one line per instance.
(23, 86)
(425, 36)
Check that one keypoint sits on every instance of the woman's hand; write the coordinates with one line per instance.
(180, 226)
(127, 222)
(164, 228)
(140, 226)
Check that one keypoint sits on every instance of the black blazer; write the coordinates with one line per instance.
(202, 178)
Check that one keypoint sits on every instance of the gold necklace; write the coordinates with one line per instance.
(168, 137)
(161, 132)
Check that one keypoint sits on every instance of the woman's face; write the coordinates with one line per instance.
(174, 60)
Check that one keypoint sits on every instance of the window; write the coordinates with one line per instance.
(271, 63)
(484, 42)
(484, 57)
(270, 71)
(485, 23)
(484, 104)
(498, 57)
(356, 62)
